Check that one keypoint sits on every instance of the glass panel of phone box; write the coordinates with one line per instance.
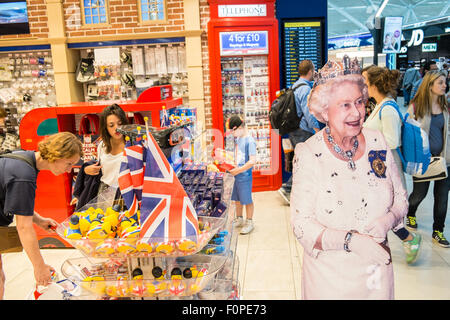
(245, 92)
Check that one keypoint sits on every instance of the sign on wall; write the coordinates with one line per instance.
(250, 10)
(243, 43)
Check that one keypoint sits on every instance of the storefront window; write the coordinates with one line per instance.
(94, 12)
(152, 11)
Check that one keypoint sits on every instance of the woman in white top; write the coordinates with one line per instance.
(110, 150)
(382, 84)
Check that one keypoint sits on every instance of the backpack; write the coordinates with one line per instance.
(415, 149)
(283, 112)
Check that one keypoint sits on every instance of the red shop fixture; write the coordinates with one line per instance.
(244, 72)
(53, 193)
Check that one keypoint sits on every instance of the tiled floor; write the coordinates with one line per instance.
(270, 259)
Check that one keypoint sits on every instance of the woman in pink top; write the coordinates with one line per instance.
(346, 195)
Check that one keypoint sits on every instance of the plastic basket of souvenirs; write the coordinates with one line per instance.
(107, 233)
(144, 277)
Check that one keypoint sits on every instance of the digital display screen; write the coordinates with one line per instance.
(302, 39)
(13, 17)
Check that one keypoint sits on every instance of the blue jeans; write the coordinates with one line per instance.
(406, 95)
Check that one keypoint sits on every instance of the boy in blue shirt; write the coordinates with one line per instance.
(245, 154)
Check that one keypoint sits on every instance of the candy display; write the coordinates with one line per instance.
(108, 233)
(124, 278)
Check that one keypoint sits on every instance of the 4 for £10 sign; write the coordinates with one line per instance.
(243, 43)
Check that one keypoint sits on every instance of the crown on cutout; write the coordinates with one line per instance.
(333, 69)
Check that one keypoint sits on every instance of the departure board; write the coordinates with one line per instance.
(302, 40)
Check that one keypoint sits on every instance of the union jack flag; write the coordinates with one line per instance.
(166, 210)
(147, 178)
(131, 175)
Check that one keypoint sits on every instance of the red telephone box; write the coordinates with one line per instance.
(53, 193)
(244, 71)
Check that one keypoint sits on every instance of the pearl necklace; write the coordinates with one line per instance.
(348, 155)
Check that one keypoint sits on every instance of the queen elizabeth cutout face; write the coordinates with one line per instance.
(346, 110)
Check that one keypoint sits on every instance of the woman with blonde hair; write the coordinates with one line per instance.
(18, 174)
(429, 107)
(346, 195)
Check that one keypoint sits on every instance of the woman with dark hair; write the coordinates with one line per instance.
(109, 151)
(382, 84)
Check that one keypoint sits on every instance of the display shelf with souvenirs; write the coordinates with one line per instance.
(124, 72)
(26, 82)
(245, 92)
(174, 238)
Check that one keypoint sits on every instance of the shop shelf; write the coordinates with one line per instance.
(225, 285)
(114, 277)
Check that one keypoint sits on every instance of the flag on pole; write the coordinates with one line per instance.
(131, 175)
(166, 210)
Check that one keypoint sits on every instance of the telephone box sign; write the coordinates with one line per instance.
(244, 43)
(250, 10)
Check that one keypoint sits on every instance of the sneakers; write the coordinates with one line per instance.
(439, 239)
(411, 223)
(238, 222)
(412, 248)
(248, 227)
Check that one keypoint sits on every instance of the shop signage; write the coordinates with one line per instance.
(243, 43)
(250, 10)
(429, 47)
(416, 38)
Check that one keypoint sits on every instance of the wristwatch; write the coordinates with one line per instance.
(347, 239)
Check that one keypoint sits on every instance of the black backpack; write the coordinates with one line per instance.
(283, 112)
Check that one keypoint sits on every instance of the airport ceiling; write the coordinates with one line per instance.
(347, 17)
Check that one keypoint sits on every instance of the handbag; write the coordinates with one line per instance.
(437, 170)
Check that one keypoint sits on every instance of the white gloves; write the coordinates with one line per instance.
(364, 246)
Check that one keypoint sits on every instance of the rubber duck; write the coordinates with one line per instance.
(165, 247)
(159, 284)
(198, 275)
(177, 285)
(94, 283)
(96, 231)
(138, 289)
(122, 289)
(73, 231)
(143, 246)
(105, 248)
(125, 247)
(186, 245)
(85, 225)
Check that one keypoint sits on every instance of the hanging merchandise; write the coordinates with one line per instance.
(181, 59)
(26, 82)
(172, 59)
(89, 132)
(150, 61)
(137, 57)
(85, 70)
(161, 61)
